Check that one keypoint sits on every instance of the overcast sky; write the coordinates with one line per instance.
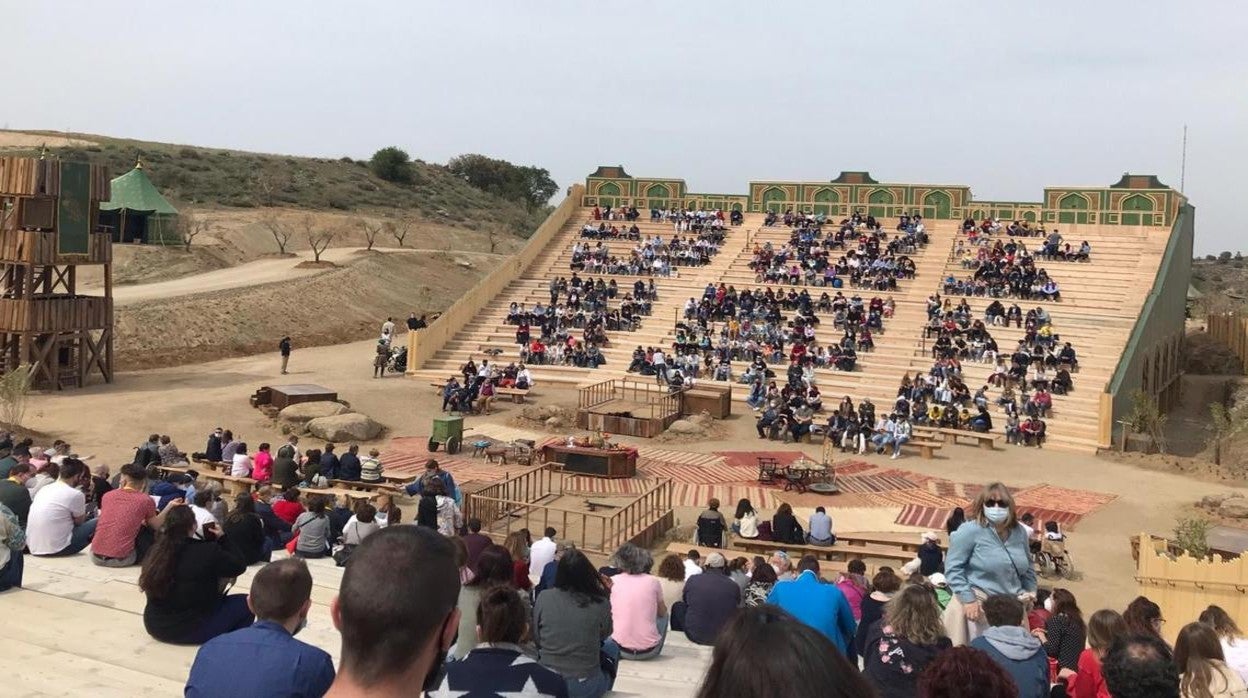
(1005, 97)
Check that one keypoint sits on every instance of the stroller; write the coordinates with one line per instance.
(398, 360)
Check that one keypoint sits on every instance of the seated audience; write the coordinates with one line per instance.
(762, 581)
(182, 578)
(709, 601)
(1140, 666)
(58, 523)
(1012, 647)
(572, 627)
(1104, 628)
(397, 614)
(821, 606)
(1064, 634)
(820, 528)
(128, 521)
(494, 568)
(711, 526)
(12, 542)
(639, 615)
(764, 653)
(266, 659)
(904, 641)
(884, 586)
(244, 530)
(1234, 646)
(498, 665)
(854, 585)
(13, 491)
(1198, 656)
(312, 529)
(965, 672)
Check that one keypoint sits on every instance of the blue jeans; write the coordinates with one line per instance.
(656, 651)
(80, 539)
(598, 685)
(897, 443)
(11, 573)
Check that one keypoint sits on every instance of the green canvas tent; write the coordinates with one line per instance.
(138, 212)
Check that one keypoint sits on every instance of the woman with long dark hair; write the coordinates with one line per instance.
(1143, 617)
(1198, 655)
(1064, 633)
(572, 627)
(956, 518)
(184, 578)
(244, 529)
(764, 652)
(494, 568)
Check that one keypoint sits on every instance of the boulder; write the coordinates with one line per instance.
(344, 427)
(685, 426)
(304, 411)
(702, 419)
(554, 422)
(1234, 508)
(1213, 501)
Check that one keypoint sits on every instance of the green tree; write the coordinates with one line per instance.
(392, 164)
(1224, 257)
(531, 186)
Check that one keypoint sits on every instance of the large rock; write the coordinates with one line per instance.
(685, 426)
(1234, 508)
(344, 427)
(304, 411)
(1213, 501)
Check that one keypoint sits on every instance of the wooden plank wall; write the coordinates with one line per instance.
(42, 177)
(1184, 586)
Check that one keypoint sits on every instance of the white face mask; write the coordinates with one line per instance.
(1048, 604)
(996, 514)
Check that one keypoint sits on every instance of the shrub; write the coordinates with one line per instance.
(1192, 535)
(392, 164)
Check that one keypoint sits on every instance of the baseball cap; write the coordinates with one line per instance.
(937, 579)
(931, 535)
(715, 560)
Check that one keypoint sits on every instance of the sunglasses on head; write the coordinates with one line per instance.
(996, 503)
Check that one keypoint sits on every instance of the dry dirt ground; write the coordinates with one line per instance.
(188, 401)
(232, 294)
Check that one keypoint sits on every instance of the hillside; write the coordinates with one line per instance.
(1224, 285)
(236, 179)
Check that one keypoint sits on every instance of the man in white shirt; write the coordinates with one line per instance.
(691, 564)
(542, 552)
(57, 523)
(660, 366)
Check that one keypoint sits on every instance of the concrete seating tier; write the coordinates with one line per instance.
(108, 654)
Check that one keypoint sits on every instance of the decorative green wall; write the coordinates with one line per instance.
(1133, 200)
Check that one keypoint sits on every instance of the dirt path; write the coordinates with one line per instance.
(255, 273)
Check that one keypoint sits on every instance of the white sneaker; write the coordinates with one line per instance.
(894, 456)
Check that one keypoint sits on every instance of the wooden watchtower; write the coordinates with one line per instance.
(49, 226)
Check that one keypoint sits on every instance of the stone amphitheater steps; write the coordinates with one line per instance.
(1100, 301)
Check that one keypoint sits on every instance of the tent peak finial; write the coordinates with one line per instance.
(138, 163)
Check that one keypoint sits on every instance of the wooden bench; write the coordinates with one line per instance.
(229, 484)
(927, 449)
(839, 553)
(517, 394)
(984, 440)
(361, 486)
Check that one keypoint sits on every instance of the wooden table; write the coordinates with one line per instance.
(596, 462)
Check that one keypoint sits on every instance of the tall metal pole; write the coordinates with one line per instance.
(1183, 166)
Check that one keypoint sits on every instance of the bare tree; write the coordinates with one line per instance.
(400, 228)
(319, 237)
(191, 224)
(279, 229)
(371, 230)
(265, 184)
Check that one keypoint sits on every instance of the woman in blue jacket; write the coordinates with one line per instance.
(988, 555)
